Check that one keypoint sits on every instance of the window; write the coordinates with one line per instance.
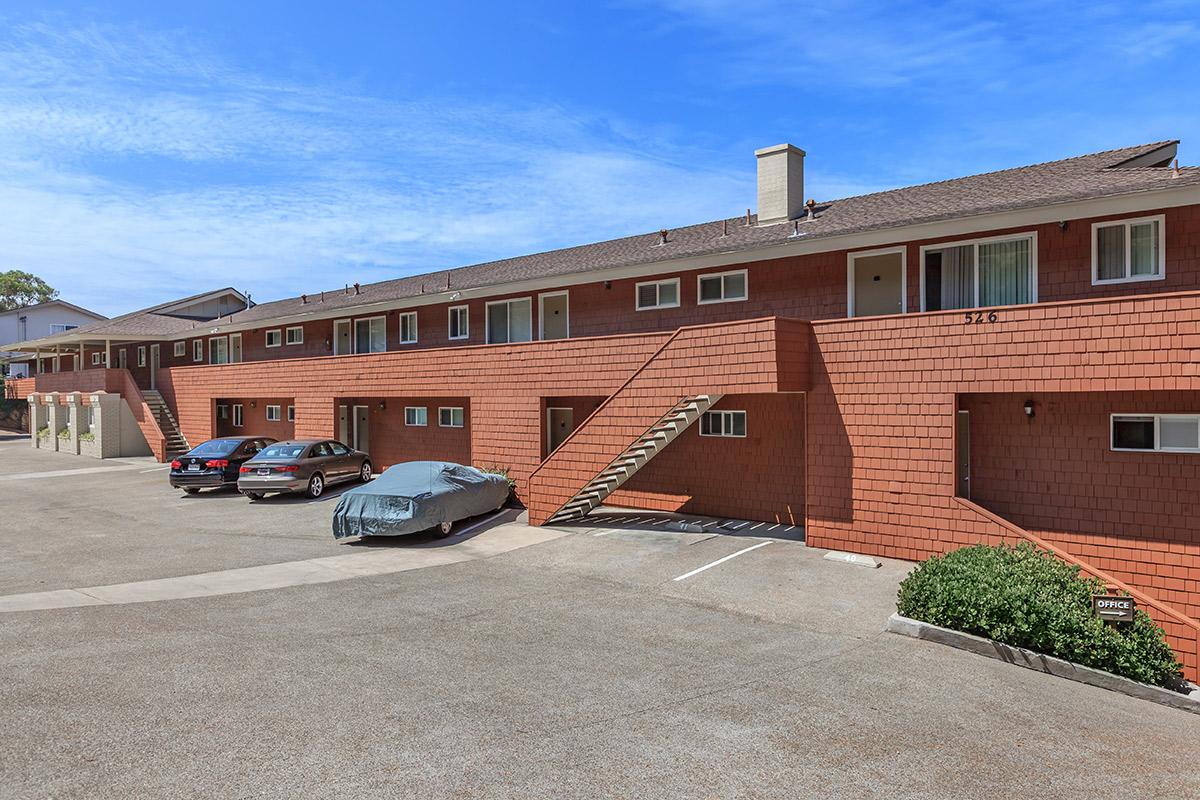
(180, 349)
(141, 356)
(273, 413)
(218, 351)
(408, 327)
(1129, 250)
(1169, 433)
(460, 327)
(96, 359)
(725, 287)
(274, 338)
(56, 327)
(222, 411)
(657, 294)
(987, 272)
(338, 448)
(723, 423)
(122, 358)
(370, 335)
(416, 415)
(450, 417)
(197, 350)
(237, 415)
(510, 321)
(295, 335)
(291, 413)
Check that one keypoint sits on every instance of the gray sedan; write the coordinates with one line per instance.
(307, 466)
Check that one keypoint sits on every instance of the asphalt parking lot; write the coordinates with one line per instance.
(585, 661)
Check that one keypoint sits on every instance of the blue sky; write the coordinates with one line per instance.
(150, 150)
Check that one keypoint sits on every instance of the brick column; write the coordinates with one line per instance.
(56, 419)
(37, 418)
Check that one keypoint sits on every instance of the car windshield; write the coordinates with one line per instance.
(215, 447)
(281, 451)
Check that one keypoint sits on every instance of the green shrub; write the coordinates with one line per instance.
(1026, 597)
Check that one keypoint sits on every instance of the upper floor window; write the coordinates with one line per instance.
(218, 350)
(370, 335)
(510, 321)
(56, 327)
(295, 335)
(408, 327)
(274, 338)
(96, 359)
(1128, 250)
(657, 294)
(976, 274)
(122, 359)
(460, 322)
(724, 287)
(180, 349)
(141, 362)
(197, 350)
(1174, 433)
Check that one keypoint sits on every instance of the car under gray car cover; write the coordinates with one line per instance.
(415, 496)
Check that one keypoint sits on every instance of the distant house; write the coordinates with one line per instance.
(43, 319)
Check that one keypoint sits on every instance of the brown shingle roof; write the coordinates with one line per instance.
(1078, 178)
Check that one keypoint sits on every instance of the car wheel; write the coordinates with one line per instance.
(316, 485)
(364, 474)
(254, 495)
(190, 489)
(443, 529)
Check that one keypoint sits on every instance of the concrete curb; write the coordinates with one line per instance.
(1042, 663)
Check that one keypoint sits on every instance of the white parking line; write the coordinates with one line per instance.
(698, 570)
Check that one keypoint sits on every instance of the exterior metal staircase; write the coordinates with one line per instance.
(635, 456)
(176, 444)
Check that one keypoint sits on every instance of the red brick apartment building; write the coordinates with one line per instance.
(1003, 357)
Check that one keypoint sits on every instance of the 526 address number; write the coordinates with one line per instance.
(980, 317)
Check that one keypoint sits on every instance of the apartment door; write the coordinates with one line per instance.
(559, 424)
(362, 430)
(235, 348)
(876, 283)
(342, 343)
(962, 454)
(344, 424)
(154, 362)
(554, 315)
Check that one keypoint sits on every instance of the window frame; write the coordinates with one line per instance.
(423, 416)
(354, 333)
(462, 413)
(197, 351)
(487, 320)
(1161, 219)
(401, 317)
(238, 415)
(96, 359)
(287, 335)
(1032, 236)
(278, 413)
(851, 271)
(1157, 448)
(180, 349)
(723, 413)
(141, 355)
(723, 275)
(222, 410)
(658, 305)
(465, 328)
(213, 339)
(291, 413)
(278, 337)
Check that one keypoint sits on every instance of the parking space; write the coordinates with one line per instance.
(580, 664)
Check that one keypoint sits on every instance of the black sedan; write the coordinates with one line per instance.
(216, 463)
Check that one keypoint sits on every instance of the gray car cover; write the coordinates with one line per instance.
(416, 496)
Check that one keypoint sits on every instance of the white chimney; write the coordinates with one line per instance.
(780, 183)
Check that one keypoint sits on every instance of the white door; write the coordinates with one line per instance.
(344, 424)
(341, 338)
(154, 361)
(559, 424)
(554, 315)
(235, 348)
(362, 432)
(877, 284)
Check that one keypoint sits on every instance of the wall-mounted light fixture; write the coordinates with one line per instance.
(254, 404)
(608, 284)
(1029, 408)
(382, 405)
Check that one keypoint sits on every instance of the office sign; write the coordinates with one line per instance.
(1113, 608)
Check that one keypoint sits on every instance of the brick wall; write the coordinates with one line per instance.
(391, 441)
(759, 477)
(254, 419)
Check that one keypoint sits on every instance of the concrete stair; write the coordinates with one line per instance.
(635, 456)
(176, 444)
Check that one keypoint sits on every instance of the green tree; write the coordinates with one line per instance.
(19, 289)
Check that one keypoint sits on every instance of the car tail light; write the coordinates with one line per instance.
(176, 464)
(217, 462)
(245, 469)
(288, 468)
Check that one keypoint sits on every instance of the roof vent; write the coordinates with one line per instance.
(780, 183)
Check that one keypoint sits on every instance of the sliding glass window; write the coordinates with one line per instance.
(990, 272)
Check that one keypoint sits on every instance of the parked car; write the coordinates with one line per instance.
(416, 496)
(307, 466)
(215, 463)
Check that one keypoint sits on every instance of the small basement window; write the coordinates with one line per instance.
(723, 423)
(657, 294)
(725, 287)
(416, 416)
(273, 413)
(450, 417)
(1169, 433)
